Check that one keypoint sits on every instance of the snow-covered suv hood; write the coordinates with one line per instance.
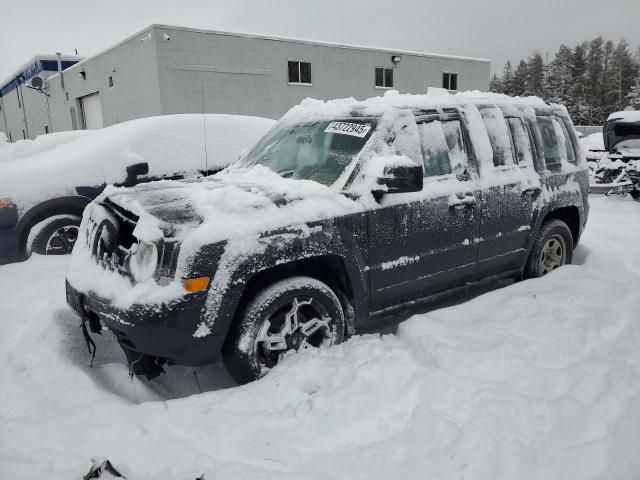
(230, 204)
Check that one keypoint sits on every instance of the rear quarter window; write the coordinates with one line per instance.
(568, 144)
(550, 142)
(556, 142)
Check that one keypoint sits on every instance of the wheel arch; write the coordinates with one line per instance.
(570, 215)
(72, 205)
(330, 269)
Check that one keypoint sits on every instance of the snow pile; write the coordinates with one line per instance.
(593, 142)
(42, 143)
(171, 144)
(540, 379)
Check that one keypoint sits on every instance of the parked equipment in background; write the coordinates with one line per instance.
(618, 171)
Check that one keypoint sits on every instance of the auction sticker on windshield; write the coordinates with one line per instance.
(346, 128)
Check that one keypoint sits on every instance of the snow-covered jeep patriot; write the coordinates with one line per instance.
(342, 213)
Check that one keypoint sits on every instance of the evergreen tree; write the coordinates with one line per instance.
(507, 79)
(495, 85)
(519, 83)
(633, 98)
(534, 80)
(592, 79)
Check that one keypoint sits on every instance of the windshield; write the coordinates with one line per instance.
(318, 151)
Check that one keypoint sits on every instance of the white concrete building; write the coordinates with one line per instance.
(165, 70)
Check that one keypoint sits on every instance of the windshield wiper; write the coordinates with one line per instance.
(286, 173)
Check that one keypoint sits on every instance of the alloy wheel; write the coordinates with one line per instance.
(554, 254)
(297, 325)
(61, 241)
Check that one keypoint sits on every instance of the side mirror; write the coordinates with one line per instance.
(134, 171)
(400, 179)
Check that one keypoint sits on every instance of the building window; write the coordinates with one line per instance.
(300, 72)
(46, 129)
(66, 94)
(110, 82)
(450, 81)
(384, 77)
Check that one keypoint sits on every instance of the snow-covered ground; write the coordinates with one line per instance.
(538, 380)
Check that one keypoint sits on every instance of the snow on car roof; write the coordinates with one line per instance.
(168, 143)
(434, 99)
(626, 116)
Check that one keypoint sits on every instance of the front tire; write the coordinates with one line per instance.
(54, 236)
(552, 249)
(291, 315)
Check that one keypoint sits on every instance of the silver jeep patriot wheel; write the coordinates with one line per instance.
(291, 315)
(552, 249)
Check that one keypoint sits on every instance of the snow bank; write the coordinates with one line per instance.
(25, 148)
(538, 380)
(595, 141)
(169, 144)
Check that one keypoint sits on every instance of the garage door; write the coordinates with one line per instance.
(91, 111)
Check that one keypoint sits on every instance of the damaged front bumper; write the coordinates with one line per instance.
(164, 331)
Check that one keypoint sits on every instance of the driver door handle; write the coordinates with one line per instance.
(463, 202)
(531, 191)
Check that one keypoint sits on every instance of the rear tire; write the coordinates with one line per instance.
(290, 315)
(54, 236)
(552, 249)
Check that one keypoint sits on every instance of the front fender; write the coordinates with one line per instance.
(245, 259)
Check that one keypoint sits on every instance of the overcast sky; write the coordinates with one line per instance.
(497, 29)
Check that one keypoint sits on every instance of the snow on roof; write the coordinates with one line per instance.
(626, 116)
(170, 144)
(435, 99)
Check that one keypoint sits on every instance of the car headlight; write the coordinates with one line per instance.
(6, 203)
(143, 261)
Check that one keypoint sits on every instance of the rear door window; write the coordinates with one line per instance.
(499, 136)
(521, 141)
(443, 148)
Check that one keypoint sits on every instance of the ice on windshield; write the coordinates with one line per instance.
(318, 151)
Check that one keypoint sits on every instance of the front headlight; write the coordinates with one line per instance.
(143, 261)
(6, 203)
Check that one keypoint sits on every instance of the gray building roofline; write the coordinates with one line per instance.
(322, 43)
(102, 52)
(273, 38)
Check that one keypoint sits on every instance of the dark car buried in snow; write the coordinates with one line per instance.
(342, 213)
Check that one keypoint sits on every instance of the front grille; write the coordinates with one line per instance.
(110, 239)
(106, 239)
